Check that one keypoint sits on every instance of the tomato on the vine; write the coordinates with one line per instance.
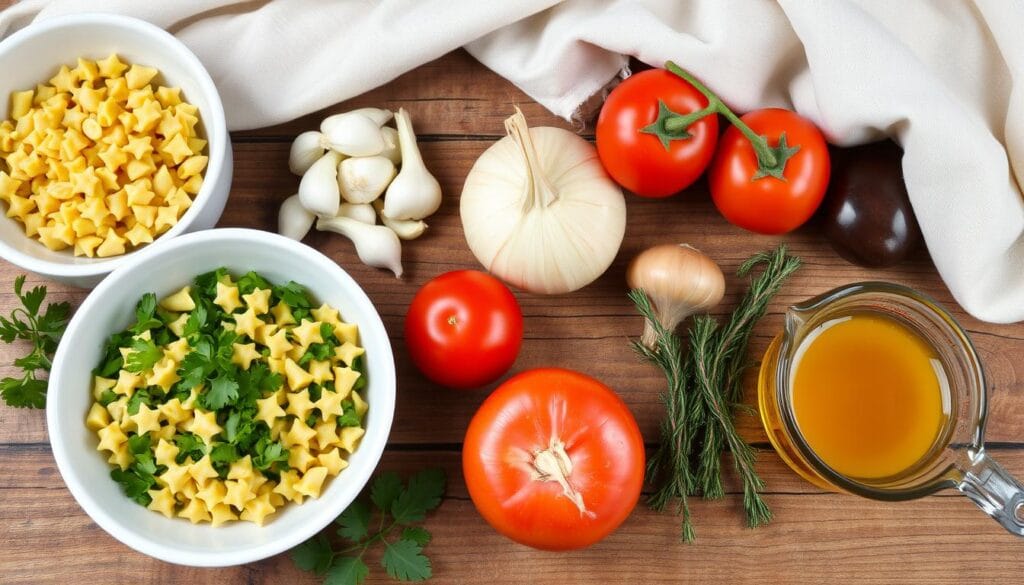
(630, 150)
(464, 329)
(775, 202)
(554, 459)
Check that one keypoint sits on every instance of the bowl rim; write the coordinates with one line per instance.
(374, 442)
(213, 120)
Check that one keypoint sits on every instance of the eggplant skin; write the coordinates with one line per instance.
(867, 216)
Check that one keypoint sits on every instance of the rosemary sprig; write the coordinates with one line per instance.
(704, 388)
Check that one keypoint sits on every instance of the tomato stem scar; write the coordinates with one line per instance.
(554, 464)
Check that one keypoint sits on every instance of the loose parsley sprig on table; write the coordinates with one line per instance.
(44, 332)
(398, 506)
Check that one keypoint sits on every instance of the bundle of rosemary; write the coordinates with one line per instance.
(704, 388)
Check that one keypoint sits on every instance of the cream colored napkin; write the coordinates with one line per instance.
(944, 78)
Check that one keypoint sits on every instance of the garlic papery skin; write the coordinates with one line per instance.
(415, 193)
(376, 245)
(307, 148)
(540, 212)
(364, 178)
(679, 281)
(405, 229)
(358, 211)
(293, 220)
(352, 134)
(391, 150)
(379, 116)
(318, 189)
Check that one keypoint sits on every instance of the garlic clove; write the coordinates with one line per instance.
(318, 190)
(378, 115)
(391, 150)
(406, 229)
(415, 193)
(358, 211)
(307, 148)
(352, 134)
(363, 179)
(376, 245)
(293, 220)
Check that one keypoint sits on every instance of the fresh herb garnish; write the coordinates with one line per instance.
(704, 387)
(398, 507)
(43, 331)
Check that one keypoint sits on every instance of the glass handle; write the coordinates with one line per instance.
(994, 490)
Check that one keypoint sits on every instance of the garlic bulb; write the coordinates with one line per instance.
(391, 150)
(539, 211)
(679, 281)
(406, 229)
(318, 190)
(293, 221)
(376, 245)
(358, 211)
(415, 193)
(307, 148)
(352, 134)
(363, 179)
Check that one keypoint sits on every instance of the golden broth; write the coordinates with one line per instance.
(867, 396)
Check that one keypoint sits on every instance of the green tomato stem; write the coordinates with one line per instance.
(765, 157)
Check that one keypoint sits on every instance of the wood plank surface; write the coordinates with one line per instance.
(458, 107)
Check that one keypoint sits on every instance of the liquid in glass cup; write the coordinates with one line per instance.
(874, 389)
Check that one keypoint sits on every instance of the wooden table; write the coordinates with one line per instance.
(458, 107)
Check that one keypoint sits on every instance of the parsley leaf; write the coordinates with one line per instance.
(269, 453)
(222, 391)
(404, 560)
(347, 571)
(313, 555)
(143, 356)
(354, 522)
(385, 490)
(144, 314)
(43, 331)
(134, 485)
(423, 494)
(196, 321)
(189, 445)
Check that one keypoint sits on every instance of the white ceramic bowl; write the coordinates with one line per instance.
(35, 53)
(110, 308)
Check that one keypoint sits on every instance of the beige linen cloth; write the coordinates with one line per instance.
(945, 78)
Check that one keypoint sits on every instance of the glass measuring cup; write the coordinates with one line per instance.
(957, 458)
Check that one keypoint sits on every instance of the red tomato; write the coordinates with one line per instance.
(464, 329)
(769, 205)
(637, 160)
(553, 459)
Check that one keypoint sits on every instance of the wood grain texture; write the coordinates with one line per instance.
(458, 107)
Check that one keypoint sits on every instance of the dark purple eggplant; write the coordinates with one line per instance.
(867, 215)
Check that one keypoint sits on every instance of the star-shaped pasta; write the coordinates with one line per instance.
(297, 377)
(162, 500)
(278, 344)
(212, 494)
(165, 452)
(347, 333)
(178, 349)
(238, 494)
(146, 419)
(195, 511)
(327, 314)
(308, 332)
(282, 314)
(111, 437)
(320, 371)
(299, 434)
(329, 404)
(97, 418)
(299, 458)
(247, 323)
(257, 510)
(242, 354)
(204, 424)
(227, 298)
(349, 437)
(332, 461)
(347, 352)
(181, 301)
(241, 469)
(286, 487)
(258, 300)
(220, 514)
(344, 379)
(269, 410)
(173, 412)
(360, 404)
(202, 471)
(299, 404)
(165, 374)
(326, 435)
(312, 482)
(121, 458)
(175, 477)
